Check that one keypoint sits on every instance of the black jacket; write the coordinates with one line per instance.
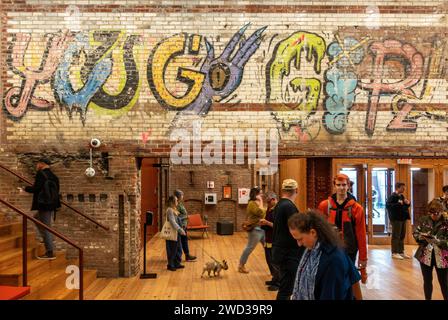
(285, 250)
(37, 187)
(281, 236)
(396, 210)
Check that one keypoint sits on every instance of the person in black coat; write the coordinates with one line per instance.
(45, 201)
(286, 253)
(398, 209)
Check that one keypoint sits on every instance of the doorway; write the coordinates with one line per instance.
(422, 191)
(150, 195)
(373, 182)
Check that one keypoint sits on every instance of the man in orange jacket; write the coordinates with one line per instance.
(347, 215)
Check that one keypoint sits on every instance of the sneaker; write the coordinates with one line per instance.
(405, 256)
(190, 258)
(242, 269)
(397, 256)
(181, 266)
(171, 268)
(273, 288)
(46, 256)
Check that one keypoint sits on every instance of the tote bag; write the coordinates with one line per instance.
(168, 232)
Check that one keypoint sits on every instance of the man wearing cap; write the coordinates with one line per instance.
(45, 211)
(286, 254)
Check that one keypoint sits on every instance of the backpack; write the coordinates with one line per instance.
(49, 195)
(349, 231)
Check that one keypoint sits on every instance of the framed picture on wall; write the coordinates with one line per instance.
(227, 192)
(243, 195)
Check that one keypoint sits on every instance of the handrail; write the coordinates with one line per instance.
(51, 230)
(63, 202)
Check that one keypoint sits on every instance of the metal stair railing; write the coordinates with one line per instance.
(62, 202)
(25, 218)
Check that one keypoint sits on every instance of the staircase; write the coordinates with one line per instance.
(47, 279)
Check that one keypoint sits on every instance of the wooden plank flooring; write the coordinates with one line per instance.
(389, 279)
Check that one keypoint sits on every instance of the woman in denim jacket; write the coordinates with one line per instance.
(432, 236)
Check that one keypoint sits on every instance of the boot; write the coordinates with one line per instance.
(242, 269)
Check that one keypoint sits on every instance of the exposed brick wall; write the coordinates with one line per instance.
(225, 210)
(419, 28)
(96, 197)
(117, 75)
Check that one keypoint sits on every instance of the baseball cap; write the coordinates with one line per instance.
(289, 184)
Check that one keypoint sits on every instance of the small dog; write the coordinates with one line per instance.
(214, 266)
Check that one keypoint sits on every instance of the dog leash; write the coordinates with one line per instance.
(204, 251)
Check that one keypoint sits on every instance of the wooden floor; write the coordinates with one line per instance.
(389, 279)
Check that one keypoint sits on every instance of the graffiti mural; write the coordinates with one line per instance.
(298, 93)
(159, 61)
(18, 99)
(286, 52)
(104, 70)
(410, 59)
(341, 82)
(216, 79)
(402, 104)
(110, 42)
(78, 100)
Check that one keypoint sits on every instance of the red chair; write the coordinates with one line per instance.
(195, 223)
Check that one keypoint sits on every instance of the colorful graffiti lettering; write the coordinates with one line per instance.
(99, 69)
(341, 82)
(402, 104)
(106, 43)
(79, 99)
(17, 99)
(216, 79)
(279, 67)
(159, 60)
(410, 58)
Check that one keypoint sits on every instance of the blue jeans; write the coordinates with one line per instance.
(184, 242)
(45, 217)
(254, 236)
(174, 252)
